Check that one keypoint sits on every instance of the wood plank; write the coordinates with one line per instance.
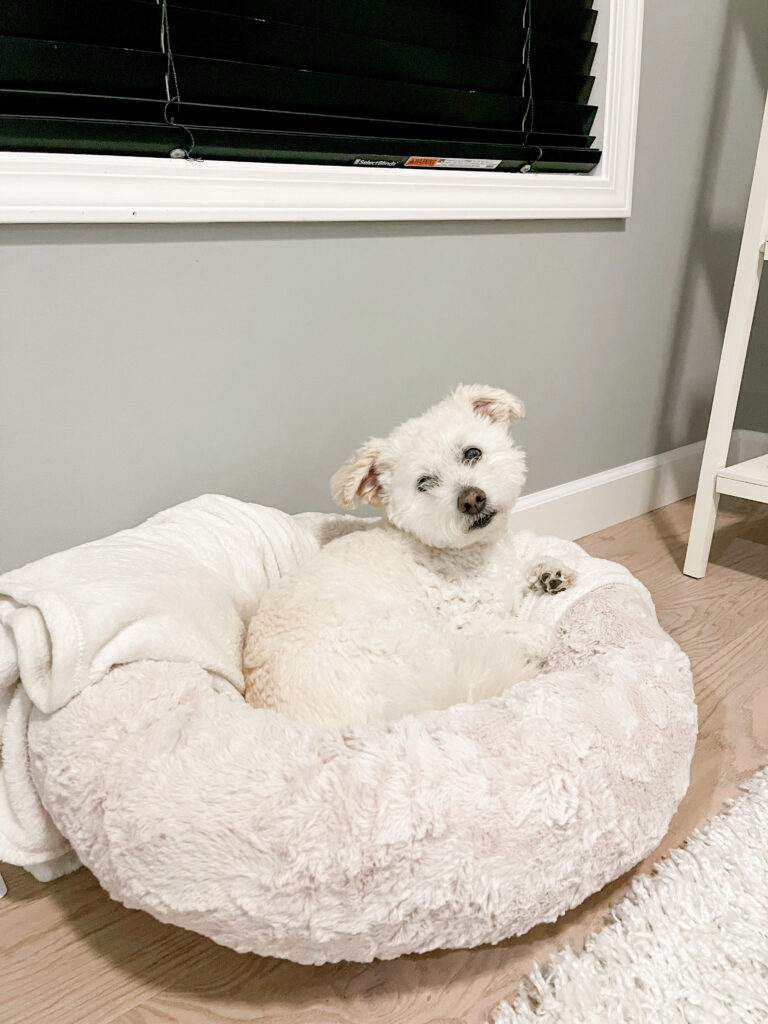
(70, 955)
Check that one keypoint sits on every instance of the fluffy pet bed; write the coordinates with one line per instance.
(448, 829)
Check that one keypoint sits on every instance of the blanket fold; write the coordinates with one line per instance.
(178, 588)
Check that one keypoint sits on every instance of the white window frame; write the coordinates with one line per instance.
(71, 188)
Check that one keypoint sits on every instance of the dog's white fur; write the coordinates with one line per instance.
(419, 611)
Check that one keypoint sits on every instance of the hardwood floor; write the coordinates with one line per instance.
(69, 955)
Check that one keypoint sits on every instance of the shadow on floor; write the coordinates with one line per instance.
(740, 541)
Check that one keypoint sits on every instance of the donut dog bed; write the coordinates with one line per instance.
(442, 830)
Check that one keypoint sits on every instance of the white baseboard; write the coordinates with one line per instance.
(593, 503)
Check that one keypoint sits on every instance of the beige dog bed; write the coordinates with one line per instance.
(447, 829)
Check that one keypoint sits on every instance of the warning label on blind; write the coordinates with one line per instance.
(450, 162)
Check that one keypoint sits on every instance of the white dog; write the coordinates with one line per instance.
(418, 611)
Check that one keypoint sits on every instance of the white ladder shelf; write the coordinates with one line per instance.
(747, 479)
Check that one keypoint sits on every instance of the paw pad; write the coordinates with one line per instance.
(552, 581)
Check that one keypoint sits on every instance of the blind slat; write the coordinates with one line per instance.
(62, 134)
(75, 67)
(133, 24)
(133, 110)
(464, 32)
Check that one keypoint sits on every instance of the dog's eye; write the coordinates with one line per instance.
(472, 454)
(425, 483)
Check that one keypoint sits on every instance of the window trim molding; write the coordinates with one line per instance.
(72, 188)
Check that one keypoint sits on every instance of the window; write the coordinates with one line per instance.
(316, 109)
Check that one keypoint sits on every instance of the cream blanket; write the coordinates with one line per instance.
(177, 588)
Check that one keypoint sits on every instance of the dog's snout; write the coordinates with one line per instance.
(471, 501)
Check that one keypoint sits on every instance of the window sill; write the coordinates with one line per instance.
(68, 188)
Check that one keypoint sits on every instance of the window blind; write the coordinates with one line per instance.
(493, 85)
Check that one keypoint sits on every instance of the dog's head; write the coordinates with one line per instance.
(448, 477)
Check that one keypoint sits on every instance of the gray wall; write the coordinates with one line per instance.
(142, 365)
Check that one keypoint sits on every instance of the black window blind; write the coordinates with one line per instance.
(493, 84)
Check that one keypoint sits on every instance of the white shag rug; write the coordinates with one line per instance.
(687, 945)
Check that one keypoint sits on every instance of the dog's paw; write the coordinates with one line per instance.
(551, 577)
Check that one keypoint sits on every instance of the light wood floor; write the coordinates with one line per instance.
(68, 955)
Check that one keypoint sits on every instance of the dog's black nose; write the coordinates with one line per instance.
(471, 501)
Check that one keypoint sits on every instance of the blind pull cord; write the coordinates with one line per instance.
(172, 97)
(527, 122)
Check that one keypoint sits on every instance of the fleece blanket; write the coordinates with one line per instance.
(178, 589)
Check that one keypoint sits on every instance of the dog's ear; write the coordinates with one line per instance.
(359, 477)
(491, 403)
